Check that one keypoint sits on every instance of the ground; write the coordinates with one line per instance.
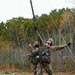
(60, 73)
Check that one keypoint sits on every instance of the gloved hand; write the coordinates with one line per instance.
(68, 44)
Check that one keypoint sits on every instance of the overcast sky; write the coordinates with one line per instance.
(17, 8)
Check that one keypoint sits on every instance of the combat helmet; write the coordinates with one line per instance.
(36, 44)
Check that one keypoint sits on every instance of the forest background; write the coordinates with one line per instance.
(17, 33)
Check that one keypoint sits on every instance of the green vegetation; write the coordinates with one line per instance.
(17, 33)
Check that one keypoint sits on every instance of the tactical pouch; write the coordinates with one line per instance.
(33, 59)
(45, 58)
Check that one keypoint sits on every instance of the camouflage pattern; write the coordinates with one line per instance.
(38, 69)
(57, 48)
(47, 68)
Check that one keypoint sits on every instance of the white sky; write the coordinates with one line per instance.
(17, 8)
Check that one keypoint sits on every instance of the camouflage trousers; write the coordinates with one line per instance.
(47, 68)
(38, 69)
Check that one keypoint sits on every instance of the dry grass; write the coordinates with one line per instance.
(26, 73)
(6, 68)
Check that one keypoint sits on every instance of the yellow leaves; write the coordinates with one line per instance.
(65, 18)
(4, 46)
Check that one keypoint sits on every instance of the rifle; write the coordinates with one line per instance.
(39, 36)
(36, 30)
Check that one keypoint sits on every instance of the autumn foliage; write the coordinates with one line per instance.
(17, 33)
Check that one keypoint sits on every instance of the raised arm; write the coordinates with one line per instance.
(30, 49)
(58, 48)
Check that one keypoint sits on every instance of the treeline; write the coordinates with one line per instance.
(17, 33)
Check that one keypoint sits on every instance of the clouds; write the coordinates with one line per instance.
(16, 8)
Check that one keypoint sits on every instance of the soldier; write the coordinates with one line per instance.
(34, 58)
(46, 54)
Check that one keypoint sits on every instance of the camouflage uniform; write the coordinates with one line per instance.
(47, 66)
(36, 62)
(38, 70)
